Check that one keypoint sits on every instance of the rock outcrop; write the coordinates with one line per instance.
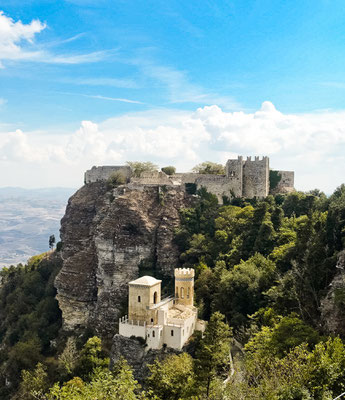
(108, 235)
(333, 305)
(137, 355)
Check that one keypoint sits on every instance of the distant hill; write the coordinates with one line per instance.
(27, 218)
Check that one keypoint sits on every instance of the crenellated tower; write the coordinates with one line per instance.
(184, 286)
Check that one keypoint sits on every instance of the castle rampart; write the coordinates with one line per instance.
(286, 183)
(243, 178)
(104, 172)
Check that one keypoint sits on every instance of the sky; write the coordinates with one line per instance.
(102, 82)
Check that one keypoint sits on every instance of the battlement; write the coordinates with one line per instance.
(184, 273)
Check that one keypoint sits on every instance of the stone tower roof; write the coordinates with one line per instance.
(145, 281)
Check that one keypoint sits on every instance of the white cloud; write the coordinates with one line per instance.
(311, 144)
(13, 34)
(17, 44)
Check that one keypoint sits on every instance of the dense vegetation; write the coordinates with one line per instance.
(262, 270)
(29, 317)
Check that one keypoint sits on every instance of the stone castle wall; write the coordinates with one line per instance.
(103, 173)
(244, 178)
(255, 177)
(287, 182)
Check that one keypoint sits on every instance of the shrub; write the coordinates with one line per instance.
(116, 178)
(170, 170)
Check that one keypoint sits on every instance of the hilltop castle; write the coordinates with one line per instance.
(170, 321)
(243, 178)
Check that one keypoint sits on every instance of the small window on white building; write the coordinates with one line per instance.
(172, 332)
(182, 292)
(153, 333)
(139, 299)
(152, 320)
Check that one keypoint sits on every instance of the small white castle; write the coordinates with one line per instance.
(170, 321)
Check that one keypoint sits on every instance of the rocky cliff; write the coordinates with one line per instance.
(137, 355)
(108, 235)
(333, 305)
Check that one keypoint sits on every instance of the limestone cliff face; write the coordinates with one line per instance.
(107, 234)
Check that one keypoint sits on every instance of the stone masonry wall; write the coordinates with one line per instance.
(255, 177)
(287, 181)
(219, 185)
(96, 174)
(244, 178)
(234, 171)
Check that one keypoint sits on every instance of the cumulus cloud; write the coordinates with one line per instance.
(311, 144)
(17, 44)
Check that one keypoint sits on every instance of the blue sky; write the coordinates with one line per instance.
(159, 66)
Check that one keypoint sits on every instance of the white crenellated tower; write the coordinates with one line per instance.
(184, 286)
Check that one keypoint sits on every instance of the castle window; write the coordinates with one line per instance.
(188, 293)
(139, 299)
(176, 292)
(182, 292)
(172, 332)
(155, 298)
(153, 333)
(152, 320)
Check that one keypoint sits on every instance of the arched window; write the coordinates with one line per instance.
(172, 332)
(153, 333)
(152, 320)
(188, 293)
(182, 292)
(139, 299)
(176, 292)
(154, 297)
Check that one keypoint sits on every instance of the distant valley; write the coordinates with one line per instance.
(27, 218)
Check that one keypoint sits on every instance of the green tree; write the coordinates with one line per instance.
(173, 378)
(34, 384)
(103, 385)
(69, 358)
(209, 167)
(241, 290)
(138, 167)
(91, 357)
(286, 334)
(212, 356)
(170, 170)
(51, 242)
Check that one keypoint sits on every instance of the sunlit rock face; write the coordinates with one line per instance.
(108, 235)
